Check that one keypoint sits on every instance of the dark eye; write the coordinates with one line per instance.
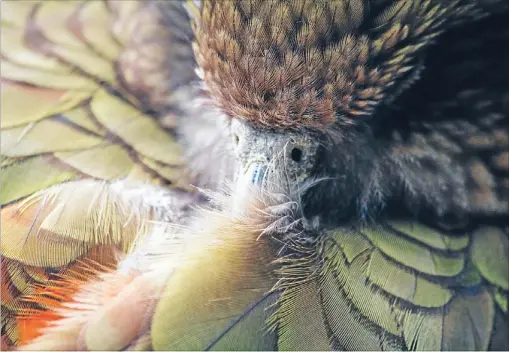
(296, 154)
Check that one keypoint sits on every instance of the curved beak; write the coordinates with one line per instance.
(249, 179)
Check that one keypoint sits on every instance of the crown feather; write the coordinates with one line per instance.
(309, 63)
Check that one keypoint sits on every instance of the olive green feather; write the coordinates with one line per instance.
(390, 285)
(339, 291)
(71, 125)
(220, 295)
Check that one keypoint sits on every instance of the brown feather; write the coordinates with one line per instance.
(303, 64)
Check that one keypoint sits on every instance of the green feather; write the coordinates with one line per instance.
(370, 303)
(490, 254)
(406, 284)
(347, 326)
(468, 322)
(227, 273)
(249, 332)
(423, 330)
(301, 325)
(501, 299)
(44, 137)
(106, 161)
(140, 131)
(414, 255)
(22, 179)
(430, 236)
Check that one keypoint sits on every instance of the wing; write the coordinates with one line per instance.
(86, 99)
(212, 287)
(268, 280)
(254, 282)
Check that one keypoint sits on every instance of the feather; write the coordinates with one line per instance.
(134, 128)
(68, 115)
(236, 310)
(25, 177)
(218, 298)
(245, 55)
(44, 103)
(269, 277)
(93, 24)
(415, 255)
(45, 79)
(81, 229)
(471, 313)
(225, 286)
(106, 161)
(490, 254)
(19, 141)
(300, 323)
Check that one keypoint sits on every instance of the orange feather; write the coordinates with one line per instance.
(51, 297)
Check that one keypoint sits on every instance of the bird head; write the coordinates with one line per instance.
(305, 82)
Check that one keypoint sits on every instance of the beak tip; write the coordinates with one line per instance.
(253, 174)
(248, 178)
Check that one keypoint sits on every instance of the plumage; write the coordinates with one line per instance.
(73, 125)
(395, 109)
(311, 64)
(368, 206)
(303, 290)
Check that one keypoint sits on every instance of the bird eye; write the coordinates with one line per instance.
(296, 154)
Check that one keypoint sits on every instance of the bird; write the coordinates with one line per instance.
(387, 119)
(368, 207)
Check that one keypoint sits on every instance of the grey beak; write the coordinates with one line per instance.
(248, 178)
(256, 172)
(253, 172)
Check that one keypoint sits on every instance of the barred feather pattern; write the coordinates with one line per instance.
(262, 279)
(255, 282)
(76, 117)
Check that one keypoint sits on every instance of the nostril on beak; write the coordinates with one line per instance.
(236, 139)
(252, 174)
